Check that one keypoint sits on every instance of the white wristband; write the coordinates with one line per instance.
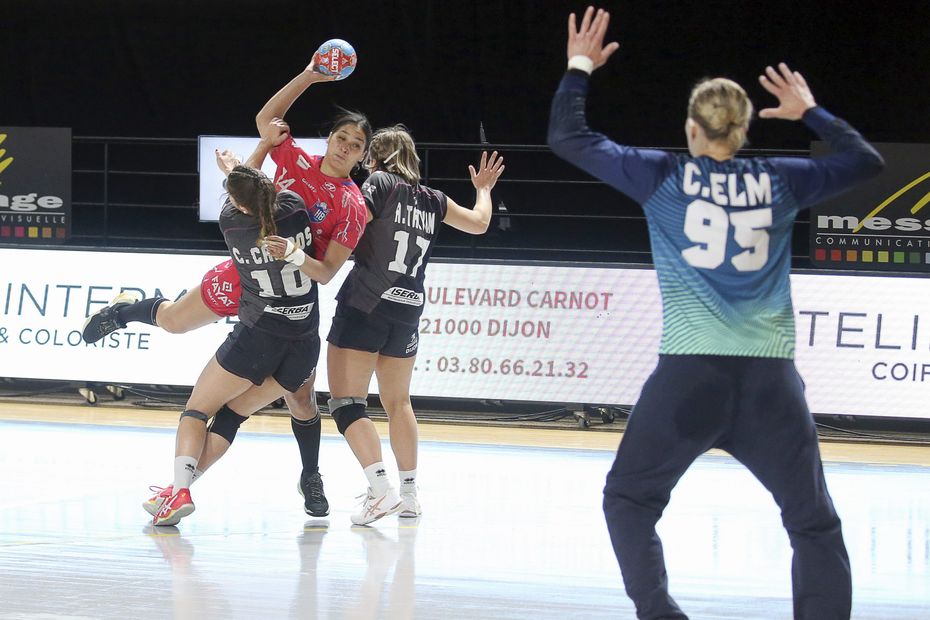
(294, 255)
(581, 62)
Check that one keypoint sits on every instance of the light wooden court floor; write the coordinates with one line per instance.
(512, 528)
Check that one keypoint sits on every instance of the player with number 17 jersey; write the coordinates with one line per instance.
(391, 258)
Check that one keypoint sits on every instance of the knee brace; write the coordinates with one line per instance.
(345, 411)
(191, 413)
(226, 423)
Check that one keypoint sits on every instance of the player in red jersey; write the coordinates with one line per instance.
(337, 212)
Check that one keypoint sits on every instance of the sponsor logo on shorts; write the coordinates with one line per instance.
(220, 291)
(411, 347)
(403, 296)
(319, 212)
(294, 313)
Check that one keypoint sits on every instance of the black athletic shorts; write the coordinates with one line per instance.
(256, 355)
(354, 329)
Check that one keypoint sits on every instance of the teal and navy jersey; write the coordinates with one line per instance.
(720, 230)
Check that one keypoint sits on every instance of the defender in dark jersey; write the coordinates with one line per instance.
(275, 346)
(720, 230)
(380, 303)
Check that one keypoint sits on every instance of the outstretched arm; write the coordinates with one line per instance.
(812, 180)
(791, 89)
(281, 102)
(477, 219)
(588, 41)
(635, 172)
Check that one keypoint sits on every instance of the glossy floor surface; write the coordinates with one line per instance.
(508, 531)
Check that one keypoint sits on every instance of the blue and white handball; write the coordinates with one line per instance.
(335, 58)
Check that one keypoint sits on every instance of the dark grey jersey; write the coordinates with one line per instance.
(391, 258)
(276, 297)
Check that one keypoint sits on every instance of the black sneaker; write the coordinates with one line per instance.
(311, 487)
(106, 321)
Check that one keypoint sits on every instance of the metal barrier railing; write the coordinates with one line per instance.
(143, 193)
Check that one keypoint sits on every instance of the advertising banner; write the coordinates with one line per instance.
(881, 225)
(520, 332)
(35, 185)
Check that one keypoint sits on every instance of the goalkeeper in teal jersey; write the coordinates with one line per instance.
(720, 230)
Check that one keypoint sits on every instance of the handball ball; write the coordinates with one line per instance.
(335, 58)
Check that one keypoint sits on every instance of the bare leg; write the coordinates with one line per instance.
(302, 403)
(247, 403)
(215, 387)
(394, 375)
(186, 314)
(350, 375)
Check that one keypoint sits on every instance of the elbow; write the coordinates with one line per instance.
(561, 144)
(325, 278)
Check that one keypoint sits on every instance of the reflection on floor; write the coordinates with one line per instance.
(507, 532)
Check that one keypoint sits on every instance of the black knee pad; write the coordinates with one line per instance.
(345, 411)
(226, 423)
(191, 413)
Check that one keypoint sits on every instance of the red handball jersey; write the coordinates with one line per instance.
(337, 213)
(337, 209)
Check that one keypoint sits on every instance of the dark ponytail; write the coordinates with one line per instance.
(255, 192)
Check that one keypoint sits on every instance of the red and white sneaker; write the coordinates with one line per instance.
(174, 508)
(152, 504)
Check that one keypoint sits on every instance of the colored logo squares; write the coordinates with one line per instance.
(873, 257)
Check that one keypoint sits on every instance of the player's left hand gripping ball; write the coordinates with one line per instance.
(335, 58)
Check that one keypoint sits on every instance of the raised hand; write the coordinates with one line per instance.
(316, 75)
(276, 131)
(489, 170)
(588, 40)
(794, 96)
(226, 160)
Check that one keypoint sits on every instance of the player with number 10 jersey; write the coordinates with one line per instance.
(335, 206)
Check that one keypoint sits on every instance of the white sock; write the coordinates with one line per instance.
(408, 481)
(377, 478)
(197, 474)
(184, 468)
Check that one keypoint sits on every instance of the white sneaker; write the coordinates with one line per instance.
(375, 507)
(410, 507)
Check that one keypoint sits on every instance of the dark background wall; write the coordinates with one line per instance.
(179, 69)
(175, 69)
